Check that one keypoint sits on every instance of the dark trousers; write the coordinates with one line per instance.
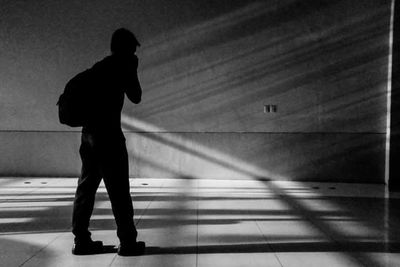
(104, 156)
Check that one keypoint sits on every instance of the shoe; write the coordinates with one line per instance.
(131, 249)
(87, 248)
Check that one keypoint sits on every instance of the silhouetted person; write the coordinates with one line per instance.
(103, 150)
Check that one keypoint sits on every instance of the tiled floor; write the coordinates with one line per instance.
(190, 222)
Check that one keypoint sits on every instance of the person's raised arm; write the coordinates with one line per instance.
(133, 89)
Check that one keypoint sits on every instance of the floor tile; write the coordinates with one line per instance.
(192, 222)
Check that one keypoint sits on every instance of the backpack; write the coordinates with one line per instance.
(73, 103)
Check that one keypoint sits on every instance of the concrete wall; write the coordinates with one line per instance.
(207, 69)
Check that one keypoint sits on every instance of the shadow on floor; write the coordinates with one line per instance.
(356, 247)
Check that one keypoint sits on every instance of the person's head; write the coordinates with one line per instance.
(123, 41)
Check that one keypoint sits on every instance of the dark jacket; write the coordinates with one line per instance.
(110, 79)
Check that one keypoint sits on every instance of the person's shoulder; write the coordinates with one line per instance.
(105, 62)
(115, 64)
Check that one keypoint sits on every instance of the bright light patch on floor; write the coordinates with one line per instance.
(19, 209)
(102, 217)
(15, 220)
(211, 220)
(36, 197)
(36, 204)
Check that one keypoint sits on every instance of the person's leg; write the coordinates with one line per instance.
(115, 171)
(88, 184)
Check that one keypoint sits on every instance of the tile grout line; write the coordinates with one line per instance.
(140, 217)
(269, 245)
(150, 202)
(308, 216)
(48, 244)
(112, 260)
(43, 248)
(266, 240)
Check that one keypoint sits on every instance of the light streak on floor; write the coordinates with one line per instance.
(206, 222)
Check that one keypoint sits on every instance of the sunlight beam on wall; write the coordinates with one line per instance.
(201, 154)
(389, 92)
